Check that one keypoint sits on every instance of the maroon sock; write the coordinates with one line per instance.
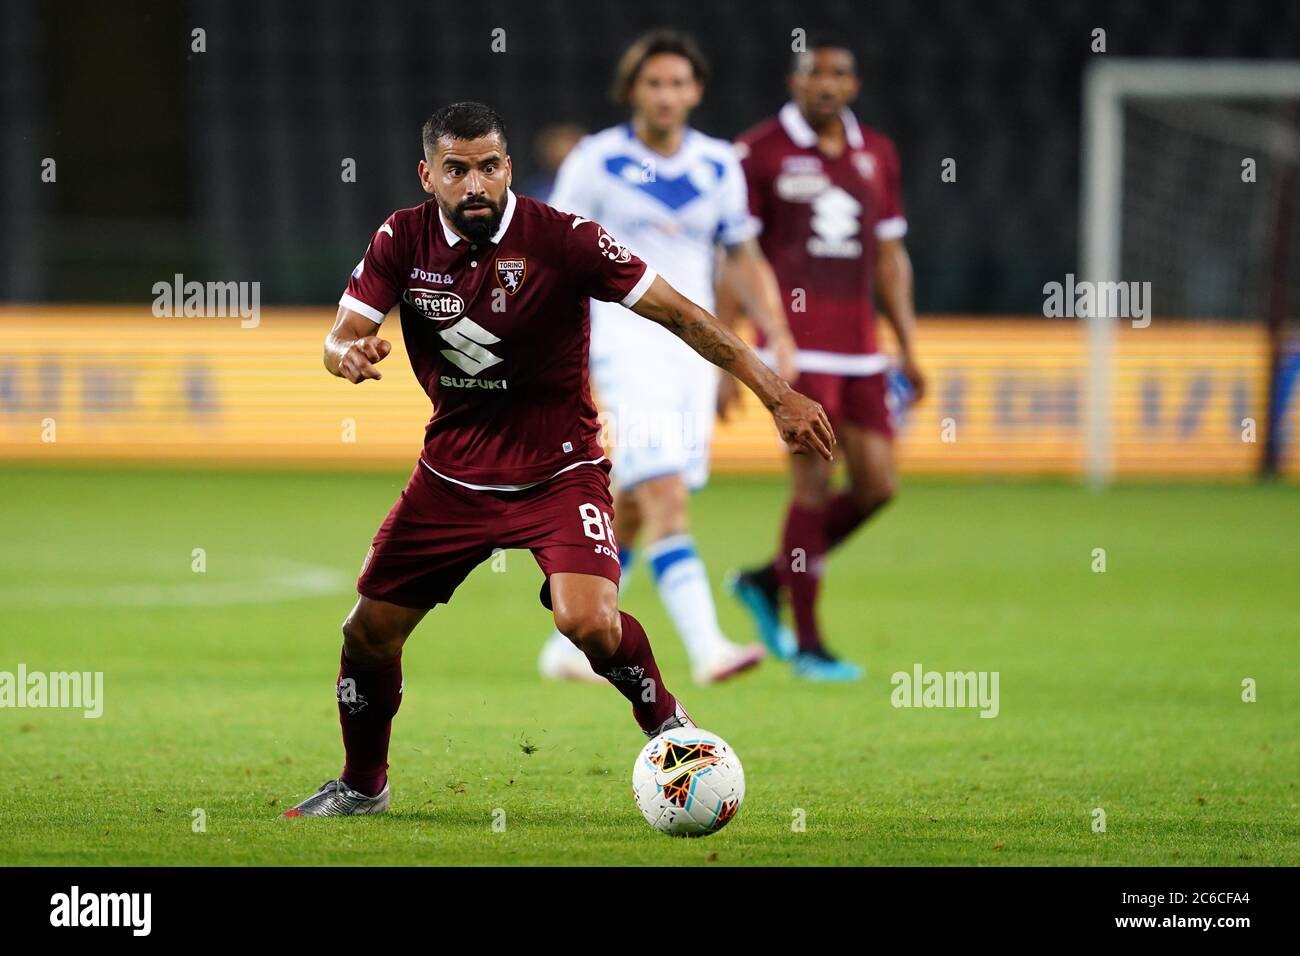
(368, 696)
(843, 516)
(633, 671)
(803, 549)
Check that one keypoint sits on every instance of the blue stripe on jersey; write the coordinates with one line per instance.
(673, 191)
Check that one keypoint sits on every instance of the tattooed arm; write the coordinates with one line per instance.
(801, 421)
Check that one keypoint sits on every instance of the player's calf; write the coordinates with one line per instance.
(586, 611)
(594, 629)
(369, 694)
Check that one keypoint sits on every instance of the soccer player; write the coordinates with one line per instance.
(672, 195)
(493, 292)
(827, 191)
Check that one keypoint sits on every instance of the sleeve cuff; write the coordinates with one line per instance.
(892, 228)
(743, 231)
(360, 308)
(647, 279)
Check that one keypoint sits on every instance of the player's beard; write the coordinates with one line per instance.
(476, 228)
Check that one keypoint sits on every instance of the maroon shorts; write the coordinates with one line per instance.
(440, 531)
(850, 399)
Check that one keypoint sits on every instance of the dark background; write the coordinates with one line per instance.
(226, 164)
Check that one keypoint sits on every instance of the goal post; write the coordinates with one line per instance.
(1154, 203)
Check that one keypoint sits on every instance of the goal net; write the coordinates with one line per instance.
(1192, 184)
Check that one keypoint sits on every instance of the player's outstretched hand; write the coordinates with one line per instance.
(358, 362)
(804, 426)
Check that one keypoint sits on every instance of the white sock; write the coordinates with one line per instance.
(684, 589)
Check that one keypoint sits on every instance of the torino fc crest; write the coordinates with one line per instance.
(510, 274)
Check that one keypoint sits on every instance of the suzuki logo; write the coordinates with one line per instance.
(467, 353)
(835, 215)
(835, 224)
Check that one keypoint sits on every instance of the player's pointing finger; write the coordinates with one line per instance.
(818, 444)
(823, 427)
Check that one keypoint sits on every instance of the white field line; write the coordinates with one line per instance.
(265, 581)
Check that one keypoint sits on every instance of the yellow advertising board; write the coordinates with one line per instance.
(1006, 396)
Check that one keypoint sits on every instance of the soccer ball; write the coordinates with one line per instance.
(688, 782)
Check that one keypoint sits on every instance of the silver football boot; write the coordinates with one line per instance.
(337, 799)
(678, 720)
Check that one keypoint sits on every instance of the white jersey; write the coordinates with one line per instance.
(672, 212)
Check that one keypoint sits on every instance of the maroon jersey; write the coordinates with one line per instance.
(822, 218)
(497, 333)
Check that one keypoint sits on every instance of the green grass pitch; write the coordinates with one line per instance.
(1119, 690)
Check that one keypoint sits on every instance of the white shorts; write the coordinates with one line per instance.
(658, 401)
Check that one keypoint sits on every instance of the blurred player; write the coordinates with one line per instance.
(493, 292)
(827, 191)
(673, 195)
(552, 143)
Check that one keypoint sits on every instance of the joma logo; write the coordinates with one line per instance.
(438, 278)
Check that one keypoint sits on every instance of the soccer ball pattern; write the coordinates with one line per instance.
(688, 782)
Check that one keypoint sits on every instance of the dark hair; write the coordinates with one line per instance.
(821, 40)
(652, 44)
(463, 121)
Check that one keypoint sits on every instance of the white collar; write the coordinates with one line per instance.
(452, 238)
(688, 138)
(805, 137)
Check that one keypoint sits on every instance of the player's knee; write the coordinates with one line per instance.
(877, 494)
(596, 631)
(364, 641)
